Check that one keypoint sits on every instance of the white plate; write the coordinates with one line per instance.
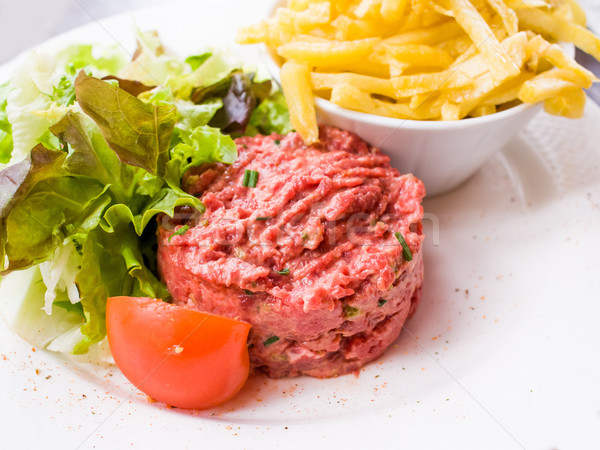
(502, 353)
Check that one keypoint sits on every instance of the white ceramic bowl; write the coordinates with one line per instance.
(443, 154)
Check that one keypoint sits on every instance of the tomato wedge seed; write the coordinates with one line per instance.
(178, 356)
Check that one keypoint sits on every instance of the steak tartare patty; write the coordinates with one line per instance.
(309, 256)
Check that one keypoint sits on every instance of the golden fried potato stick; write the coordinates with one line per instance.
(327, 54)
(508, 15)
(413, 55)
(560, 29)
(296, 85)
(374, 85)
(483, 110)
(546, 85)
(393, 10)
(431, 35)
(571, 105)
(558, 58)
(350, 97)
(427, 59)
(483, 37)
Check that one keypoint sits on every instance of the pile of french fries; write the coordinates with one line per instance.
(427, 59)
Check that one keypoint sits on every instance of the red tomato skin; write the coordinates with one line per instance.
(178, 356)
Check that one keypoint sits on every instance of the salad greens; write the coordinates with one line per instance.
(93, 148)
(6, 144)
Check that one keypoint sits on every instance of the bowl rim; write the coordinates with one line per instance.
(373, 119)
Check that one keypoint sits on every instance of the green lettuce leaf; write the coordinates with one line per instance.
(111, 267)
(84, 158)
(6, 143)
(192, 116)
(165, 202)
(195, 61)
(42, 88)
(201, 145)
(63, 92)
(101, 273)
(30, 89)
(54, 209)
(271, 116)
(132, 87)
(151, 64)
(139, 133)
(105, 58)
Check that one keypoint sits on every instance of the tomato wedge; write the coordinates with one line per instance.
(178, 356)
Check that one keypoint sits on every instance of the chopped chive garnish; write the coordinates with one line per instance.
(381, 302)
(250, 178)
(248, 292)
(277, 142)
(184, 229)
(285, 271)
(406, 253)
(271, 340)
(263, 218)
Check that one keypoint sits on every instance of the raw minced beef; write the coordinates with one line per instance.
(309, 256)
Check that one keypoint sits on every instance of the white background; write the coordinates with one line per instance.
(25, 23)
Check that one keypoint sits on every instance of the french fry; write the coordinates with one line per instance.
(409, 85)
(472, 65)
(557, 57)
(430, 35)
(314, 15)
(571, 105)
(548, 24)
(481, 34)
(367, 9)
(484, 85)
(393, 10)
(508, 16)
(544, 86)
(267, 32)
(348, 96)
(483, 110)
(507, 91)
(298, 5)
(451, 111)
(428, 59)
(347, 29)
(296, 85)
(328, 54)
(417, 55)
(327, 81)
(514, 4)
(577, 13)
(457, 46)
(368, 67)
